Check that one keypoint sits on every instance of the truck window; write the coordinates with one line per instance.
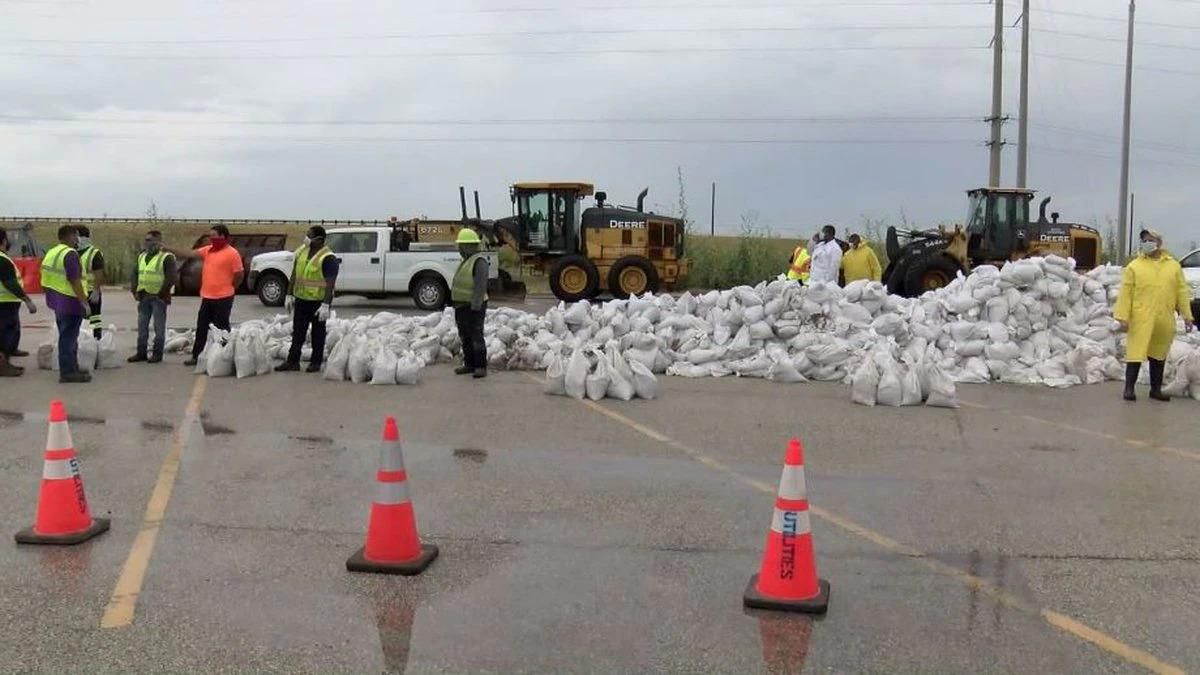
(352, 242)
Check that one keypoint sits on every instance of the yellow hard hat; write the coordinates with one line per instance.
(468, 236)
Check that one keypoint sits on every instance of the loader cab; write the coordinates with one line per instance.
(548, 215)
(997, 222)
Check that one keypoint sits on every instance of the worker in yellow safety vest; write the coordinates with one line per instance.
(468, 295)
(153, 279)
(62, 280)
(799, 265)
(93, 277)
(12, 294)
(310, 299)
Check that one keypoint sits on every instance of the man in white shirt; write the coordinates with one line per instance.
(827, 257)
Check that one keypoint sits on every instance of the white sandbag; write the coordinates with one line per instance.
(575, 380)
(890, 391)
(47, 355)
(620, 374)
(263, 365)
(942, 392)
(106, 350)
(784, 370)
(865, 383)
(408, 368)
(596, 383)
(339, 358)
(359, 365)
(383, 366)
(243, 355)
(88, 350)
(221, 351)
(910, 387)
(556, 376)
(645, 384)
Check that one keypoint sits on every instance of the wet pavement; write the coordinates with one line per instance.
(610, 537)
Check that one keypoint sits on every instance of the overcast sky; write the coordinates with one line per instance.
(841, 109)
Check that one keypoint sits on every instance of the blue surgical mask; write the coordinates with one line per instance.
(1149, 247)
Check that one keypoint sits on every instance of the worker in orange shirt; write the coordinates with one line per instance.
(220, 278)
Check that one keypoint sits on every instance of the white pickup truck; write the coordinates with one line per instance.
(1191, 272)
(376, 262)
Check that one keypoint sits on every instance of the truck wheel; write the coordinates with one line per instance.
(632, 275)
(272, 289)
(574, 278)
(928, 274)
(430, 293)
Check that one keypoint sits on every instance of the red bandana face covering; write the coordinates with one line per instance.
(218, 243)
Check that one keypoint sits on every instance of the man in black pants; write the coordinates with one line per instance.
(468, 294)
(314, 273)
(12, 295)
(219, 280)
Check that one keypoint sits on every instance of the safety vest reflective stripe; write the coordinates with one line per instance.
(309, 277)
(791, 522)
(5, 294)
(462, 290)
(151, 275)
(85, 261)
(54, 270)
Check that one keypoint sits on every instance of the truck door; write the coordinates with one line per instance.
(362, 265)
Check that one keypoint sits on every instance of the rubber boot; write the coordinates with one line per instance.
(7, 369)
(1131, 376)
(1156, 380)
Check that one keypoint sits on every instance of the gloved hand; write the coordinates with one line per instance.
(94, 296)
(30, 306)
(323, 313)
(289, 303)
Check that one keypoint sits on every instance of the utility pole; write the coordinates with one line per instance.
(996, 144)
(1122, 210)
(712, 215)
(1023, 122)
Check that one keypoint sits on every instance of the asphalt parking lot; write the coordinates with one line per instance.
(1031, 530)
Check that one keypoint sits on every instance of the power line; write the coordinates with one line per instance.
(1121, 20)
(1113, 64)
(489, 54)
(492, 34)
(1106, 38)
(1098, 136)
(840, 119)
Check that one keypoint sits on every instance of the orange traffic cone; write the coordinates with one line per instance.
(393, 545)
(62, 512)
(787, 580)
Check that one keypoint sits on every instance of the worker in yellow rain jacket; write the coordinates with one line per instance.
(860, 262)
(799, 265)
(1152, 291)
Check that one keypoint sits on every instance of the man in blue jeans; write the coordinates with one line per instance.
(153, 278)
(62, 280)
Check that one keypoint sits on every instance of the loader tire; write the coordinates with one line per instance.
(928, 274)
(632, 275)
(574, 278)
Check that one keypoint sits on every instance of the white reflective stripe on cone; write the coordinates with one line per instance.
(391, 457)
(791, 484)
(59, 437)
(57, 469)
(791, 522)
(390, 494)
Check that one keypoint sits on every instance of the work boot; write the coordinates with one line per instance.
(74, 378)
(1156, 380)
(137, 358)
(480, 373)
(154, 358)
(1131, 376)
(287, 367)
(7, 369)
(314, 367)
(19, 353)
(464, 370)
(190, 362)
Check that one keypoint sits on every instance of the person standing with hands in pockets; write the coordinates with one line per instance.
(310, 298)
(152, 281)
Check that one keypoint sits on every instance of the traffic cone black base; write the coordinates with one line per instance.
(359, 563)
(818, 605)
(28, 536)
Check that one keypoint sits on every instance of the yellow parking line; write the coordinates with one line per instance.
(1060, 621)
(123, 603)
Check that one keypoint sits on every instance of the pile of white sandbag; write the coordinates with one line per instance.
(596, 374)
(241, 352)
(92, 354)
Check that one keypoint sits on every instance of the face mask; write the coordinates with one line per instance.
(84, 242)
(1149, 247)
(153, 246)
(218, 243)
